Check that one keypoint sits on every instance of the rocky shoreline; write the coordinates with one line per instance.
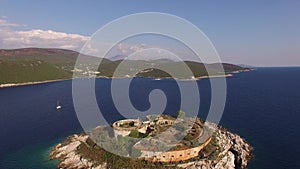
(227, 151)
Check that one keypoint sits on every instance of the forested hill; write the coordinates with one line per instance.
(37, 64)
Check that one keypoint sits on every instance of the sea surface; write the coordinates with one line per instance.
(263, 106)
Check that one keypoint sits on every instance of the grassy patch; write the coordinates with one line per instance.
(137, 134)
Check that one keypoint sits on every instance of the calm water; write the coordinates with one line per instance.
(262, 106)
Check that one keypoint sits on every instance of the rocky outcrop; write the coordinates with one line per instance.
(226, 151)
(68, 156)
(231, 152)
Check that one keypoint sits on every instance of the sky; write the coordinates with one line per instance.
(256, 32)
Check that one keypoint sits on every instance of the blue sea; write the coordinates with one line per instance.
(263, 106)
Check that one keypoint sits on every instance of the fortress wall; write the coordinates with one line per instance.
(165, 121)
(168, 156)
(117, 124)
(126, 131)
(174, 156)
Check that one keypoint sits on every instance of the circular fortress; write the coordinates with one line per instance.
(165, 138)
(124, 127)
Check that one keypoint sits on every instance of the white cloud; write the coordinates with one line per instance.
(10, 38)
(123, 50)
(40, 38)
(5, 23)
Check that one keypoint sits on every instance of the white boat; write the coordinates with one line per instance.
(58, 106)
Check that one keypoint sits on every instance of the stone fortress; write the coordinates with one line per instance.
(152, 141)
(160, 135)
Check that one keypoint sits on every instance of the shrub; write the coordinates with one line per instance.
(137, 134)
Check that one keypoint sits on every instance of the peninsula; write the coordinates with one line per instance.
(160, 141)
(37, 65)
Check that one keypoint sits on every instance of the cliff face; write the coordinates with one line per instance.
(226, 151)
(230, 152)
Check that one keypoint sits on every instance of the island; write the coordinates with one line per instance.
(158, 141)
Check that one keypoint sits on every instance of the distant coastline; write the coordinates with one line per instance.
(7, 85)
(41, 65)
(29, 83)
